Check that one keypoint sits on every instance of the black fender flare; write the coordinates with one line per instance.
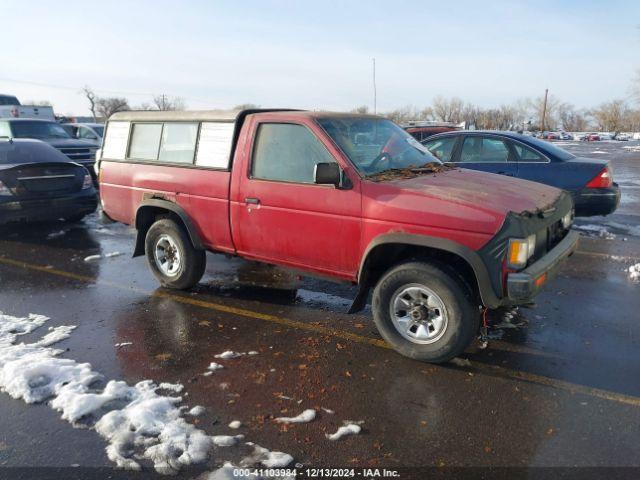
(173, 207)
(487, 294)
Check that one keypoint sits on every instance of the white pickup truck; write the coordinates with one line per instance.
(10, 107)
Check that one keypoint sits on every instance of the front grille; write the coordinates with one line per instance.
(555, 233)
(79, 153)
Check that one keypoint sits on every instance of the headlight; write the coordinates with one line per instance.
(4, 190)
(87, 182)
(567, 220)
(520, 251)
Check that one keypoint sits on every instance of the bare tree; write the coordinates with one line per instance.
(611, 116)
(362, 109)
(107, 106)
(572, 120)
(246, 106)
(448, 110)
(536, 108)
(165, 103)
(92, 100)
(407, 113)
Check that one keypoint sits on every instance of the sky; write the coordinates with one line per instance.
(318, 54)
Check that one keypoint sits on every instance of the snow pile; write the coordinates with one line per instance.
(634, 272)
(135, 420)
(348, 429)
(304, 417)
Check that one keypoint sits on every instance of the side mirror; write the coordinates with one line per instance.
(328, 173)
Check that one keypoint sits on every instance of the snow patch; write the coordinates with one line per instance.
(214, 366)
(348, 429)
(91, 258)
(197, 411)
(634, 272)
(226, 440)
(305, 417)
(56, 234)
(228, 354)
(123, 344)
(235, 424)
(266, 457)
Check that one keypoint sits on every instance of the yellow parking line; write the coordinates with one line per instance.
(476, 366)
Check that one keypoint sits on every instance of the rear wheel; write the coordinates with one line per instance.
(425, 312)
(172, 258)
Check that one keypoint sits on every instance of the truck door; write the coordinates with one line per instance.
(280, 215)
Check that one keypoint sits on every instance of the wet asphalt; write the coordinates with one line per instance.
(558, 385)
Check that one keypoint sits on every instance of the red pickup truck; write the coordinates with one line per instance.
(351, 197)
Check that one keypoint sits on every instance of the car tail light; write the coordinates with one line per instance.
(602, 180)
(4, 190)
(87, 183)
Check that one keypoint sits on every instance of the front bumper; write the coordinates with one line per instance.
(523, 286)
(46, 209)
(597, 201)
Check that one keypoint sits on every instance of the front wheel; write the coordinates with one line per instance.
(172, 258)
(425, 312)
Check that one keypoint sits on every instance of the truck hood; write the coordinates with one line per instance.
(456, 199)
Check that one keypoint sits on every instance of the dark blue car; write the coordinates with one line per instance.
(39, 183)
(588, 180)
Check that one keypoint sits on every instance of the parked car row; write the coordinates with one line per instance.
(46, 169)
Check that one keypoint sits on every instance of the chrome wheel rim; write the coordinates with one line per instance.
(167, 255)
(418, 314)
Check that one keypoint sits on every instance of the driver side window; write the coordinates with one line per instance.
(287, 152)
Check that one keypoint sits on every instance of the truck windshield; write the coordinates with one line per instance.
(375, 145)
(39, 130)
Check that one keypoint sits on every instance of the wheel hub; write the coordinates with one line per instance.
(418, 314)
(167, 255)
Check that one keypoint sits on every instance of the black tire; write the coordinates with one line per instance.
(192, 262)
(462, 312)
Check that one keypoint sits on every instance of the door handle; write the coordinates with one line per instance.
(252, 201)
(505, 173)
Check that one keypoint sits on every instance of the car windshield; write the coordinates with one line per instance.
(39, 130)
(375, 145)
(99, 130)
(551, 149)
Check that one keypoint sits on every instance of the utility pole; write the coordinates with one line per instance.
(375, 93)
(544, 108)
